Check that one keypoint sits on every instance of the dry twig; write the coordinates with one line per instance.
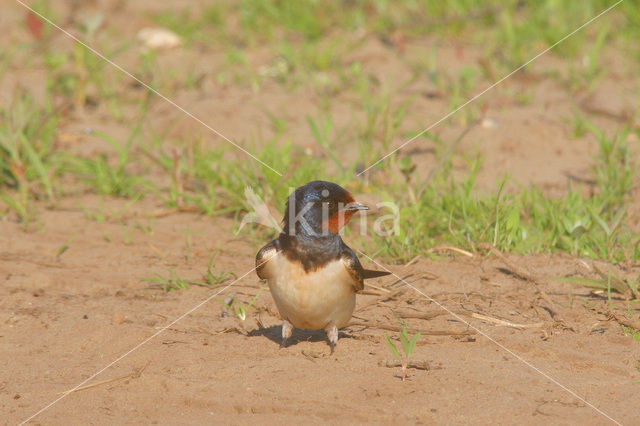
(422, 331)
(137, 372)
(624, 320)
(418, 365)
(427, 315)
(387, 296)
(520, 272)
(449, 248)
(498, 321)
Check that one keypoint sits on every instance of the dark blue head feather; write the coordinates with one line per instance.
(309, 207)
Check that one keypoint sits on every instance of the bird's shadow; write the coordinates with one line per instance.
(274, 333)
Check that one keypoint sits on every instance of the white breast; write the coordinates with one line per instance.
(311, 300)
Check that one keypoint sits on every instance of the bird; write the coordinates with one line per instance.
(313, 276)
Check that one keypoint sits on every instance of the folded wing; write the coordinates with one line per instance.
(262, 258)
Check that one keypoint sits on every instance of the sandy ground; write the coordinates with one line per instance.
(64, 317)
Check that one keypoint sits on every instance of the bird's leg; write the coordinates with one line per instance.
(287, 329)
(332, 334)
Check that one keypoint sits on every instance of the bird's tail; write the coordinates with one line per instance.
(368, 273)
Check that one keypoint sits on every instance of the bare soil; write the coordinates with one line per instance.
(65, 316)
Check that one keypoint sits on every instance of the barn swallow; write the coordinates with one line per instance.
(312, 274)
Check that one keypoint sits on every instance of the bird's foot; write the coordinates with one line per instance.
(332, 334)
(287, 330)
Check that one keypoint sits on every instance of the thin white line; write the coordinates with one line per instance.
(69, 392)
(500, 345)
(492, 86)
(104, 58)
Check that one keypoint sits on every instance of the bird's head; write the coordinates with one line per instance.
(319, 209)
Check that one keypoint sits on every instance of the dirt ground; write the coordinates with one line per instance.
(65, 316)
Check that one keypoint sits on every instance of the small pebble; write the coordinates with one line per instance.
(117, 318)
(488, 123)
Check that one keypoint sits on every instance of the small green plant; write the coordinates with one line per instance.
(213, 277)
(610, 281)
(127, 234)
(170, 282)
(21, 206)
(407, 344)
(97, 214)
(635, 334)
(173, 281)
(187, 244)
(107, 175)
(27, 154)
(65, 246)
(238, 308)
(146, 228)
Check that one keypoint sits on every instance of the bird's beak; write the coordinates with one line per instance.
(356, 206)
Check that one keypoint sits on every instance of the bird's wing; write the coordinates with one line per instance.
(353, 266)
(262, 259)
(355, 269)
